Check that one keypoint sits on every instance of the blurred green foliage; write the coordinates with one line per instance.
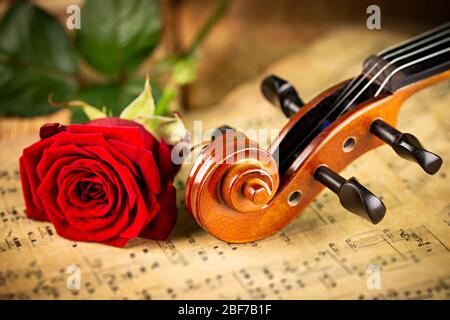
(116, 36)
(37, 58)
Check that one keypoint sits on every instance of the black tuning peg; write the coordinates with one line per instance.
(353, 196)
(407, 146)
(220, 131)
(281, 94)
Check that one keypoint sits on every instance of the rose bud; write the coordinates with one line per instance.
(108, 180)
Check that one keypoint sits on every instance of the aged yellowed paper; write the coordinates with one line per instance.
(326, 253)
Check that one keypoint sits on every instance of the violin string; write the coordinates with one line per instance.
(391, 54)
(335, 107)
(425, 34)
(351, 85)
(413, 42)
(408, 65)
(360, 78)
(404, 66)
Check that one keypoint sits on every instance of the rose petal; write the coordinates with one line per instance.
(30, 159)
(166, 167)
(50, 129)
(70, 201)
(162, 224)
(144, 160)
(49, 155)
(34, 211)
(115, 219)
(117, 124)
(92, 139)
(133, 135)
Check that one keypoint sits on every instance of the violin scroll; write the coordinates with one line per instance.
(232, 181)
(250, 183)
(240, 192)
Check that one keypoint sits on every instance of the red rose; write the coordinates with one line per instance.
(106, 181)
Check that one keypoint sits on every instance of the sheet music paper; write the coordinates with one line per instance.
(326, 253)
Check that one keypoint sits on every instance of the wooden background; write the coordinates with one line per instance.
(255, 33)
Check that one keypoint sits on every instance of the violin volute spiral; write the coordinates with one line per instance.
(235, 178)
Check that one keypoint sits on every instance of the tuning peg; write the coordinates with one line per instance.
(281, 94)
(353, 196)
(220, 131)
(407, 146)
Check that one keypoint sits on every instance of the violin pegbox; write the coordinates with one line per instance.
(237, 191)
(352, 195)
(347, 137)
(240, 192)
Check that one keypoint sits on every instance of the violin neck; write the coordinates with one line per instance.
(417, 59)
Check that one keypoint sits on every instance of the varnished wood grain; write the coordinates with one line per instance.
(204, 190)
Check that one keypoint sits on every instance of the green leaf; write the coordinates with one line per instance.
(78, 116)
(114, 97)
(170, 129)
(36, 59)
(143, 105)
(117, 35)
(103, 96)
